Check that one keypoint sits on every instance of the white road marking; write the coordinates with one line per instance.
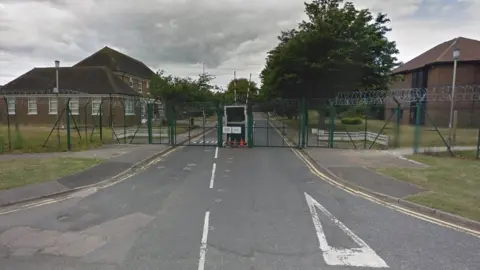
(205, 142)
(360, 257)
(373, 199)
(203, 246)
(213, 175)
(216, 152)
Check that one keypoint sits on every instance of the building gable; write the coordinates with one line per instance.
(117, 62)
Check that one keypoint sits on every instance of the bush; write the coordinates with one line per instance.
(352, 121)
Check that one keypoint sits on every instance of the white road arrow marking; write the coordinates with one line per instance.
(363, 256)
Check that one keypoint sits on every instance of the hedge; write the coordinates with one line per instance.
(352, 121)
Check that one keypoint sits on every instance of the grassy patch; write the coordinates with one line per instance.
(468, 154)
(429, 136)
(35, 139)
(21, 172)
(453, 184)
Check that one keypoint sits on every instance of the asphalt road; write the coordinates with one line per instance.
(203, 208)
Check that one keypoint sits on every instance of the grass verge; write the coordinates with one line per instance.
(21, 172)
(35, 139)
(452, 184)
(428, 136)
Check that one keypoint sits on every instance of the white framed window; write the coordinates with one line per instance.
(32, 106)
(11, 106)
(147, 84)
(129, 107)
(52, 106)
(96, 102)
(74, 106)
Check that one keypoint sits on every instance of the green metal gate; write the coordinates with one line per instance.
(277, 123)
(196, 123)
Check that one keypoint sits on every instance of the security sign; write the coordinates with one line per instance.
(236, 130)
(227, 130)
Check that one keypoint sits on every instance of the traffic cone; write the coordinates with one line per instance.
(241, 142)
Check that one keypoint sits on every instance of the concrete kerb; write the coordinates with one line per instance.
(441, 215)
(131, 170)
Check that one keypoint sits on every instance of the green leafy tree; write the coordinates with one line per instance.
(241, 86)
(339, 48)
(178, 90)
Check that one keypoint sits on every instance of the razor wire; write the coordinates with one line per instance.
(408, 95)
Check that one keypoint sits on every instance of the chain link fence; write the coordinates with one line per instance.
(50, 123)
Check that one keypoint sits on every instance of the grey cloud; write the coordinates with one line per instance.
(158, 32)
(191, 32)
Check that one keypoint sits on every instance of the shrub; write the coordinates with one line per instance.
(352, 121)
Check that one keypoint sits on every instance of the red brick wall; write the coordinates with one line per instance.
(113, 110)
(441, 76)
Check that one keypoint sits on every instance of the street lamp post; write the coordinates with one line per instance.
(56, 91)
(456, 56)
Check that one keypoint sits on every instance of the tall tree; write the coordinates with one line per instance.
(339, 48)
(241, 86)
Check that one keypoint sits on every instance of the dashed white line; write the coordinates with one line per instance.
(203, 246)
(213, 175)
(216, 152)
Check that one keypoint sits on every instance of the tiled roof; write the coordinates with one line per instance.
(90, 80)
(442, 53)
(117, 61)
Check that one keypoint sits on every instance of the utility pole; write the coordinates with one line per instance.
(203, 68)
(235, 87)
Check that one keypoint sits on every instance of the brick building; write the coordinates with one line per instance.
(107, 80)
(132, 71)
(432, 71)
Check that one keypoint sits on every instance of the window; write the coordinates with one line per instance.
(131, 82)
(129, 107)
(11, 106)
(32, 106)
(74, 106)
(96, 102)
(52, 106)
(148, 85)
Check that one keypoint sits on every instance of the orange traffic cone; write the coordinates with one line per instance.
(241, 142)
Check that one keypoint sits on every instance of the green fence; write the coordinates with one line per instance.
(72, 123)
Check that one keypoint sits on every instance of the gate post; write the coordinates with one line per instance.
(149, 121)
(397, 123)
(416, 135)
(67, 122)
(219, 124)
(171, 123)
(304, 122)
(331, 131)
(250, 125)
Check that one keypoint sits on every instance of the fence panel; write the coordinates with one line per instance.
(194, 123)
(278, 123)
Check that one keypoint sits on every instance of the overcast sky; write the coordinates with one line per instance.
(178, 35)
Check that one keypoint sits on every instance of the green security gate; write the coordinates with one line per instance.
(277, 123)
(196, 123)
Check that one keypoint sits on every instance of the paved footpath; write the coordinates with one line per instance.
(208, 208)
